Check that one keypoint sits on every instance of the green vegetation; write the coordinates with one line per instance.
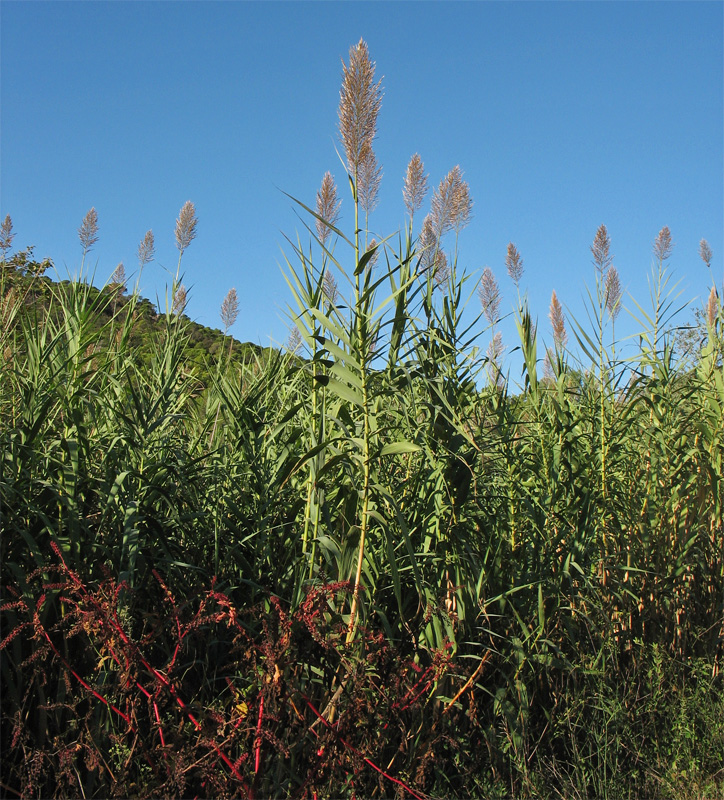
(364, 567)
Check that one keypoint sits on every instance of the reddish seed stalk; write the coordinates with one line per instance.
(357, 753)
(257, 743)
(159, 676)
(87, 686)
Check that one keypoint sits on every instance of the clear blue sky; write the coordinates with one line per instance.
(563, 116)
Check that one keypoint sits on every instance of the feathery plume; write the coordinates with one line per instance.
(663, 245)
(712, 308)
(373, 258)
(704, 252)
(329, 287)
(428, 243)
(463, 204)
(180, 298)
(489, 295)
(327, 207)
(441, 271)
(451, 205)
(548, 372)
(6, 235)
(558, 322)
(146, 250)
(514, 264)
(88, 231)
(431, 256)
(118, 278)
(368, 181)
(360, 99)
(601, 249)
(229, 309)
(613, 291)
(186, 226)
(415, 186)
(496, 348)
(294, 342)
(495, 352)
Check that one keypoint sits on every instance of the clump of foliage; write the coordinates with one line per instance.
(202, 697)
(398, 573)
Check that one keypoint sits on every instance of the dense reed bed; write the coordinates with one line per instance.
(367, 565)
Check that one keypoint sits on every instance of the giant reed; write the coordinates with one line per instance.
(557, 546)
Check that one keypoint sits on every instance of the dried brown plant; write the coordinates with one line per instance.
(229, 309)
(186, 226)
(451, 205)
(489, 295)
(601, 249)
(415, 186)
(663, 244)
(180, 299)
(360, 99)
(88, 231)
(146, 250)
(327, 207)
(613, 292)
(558, 322)
(514, 264)
(705, 252)
(712, 308)
(6, 235)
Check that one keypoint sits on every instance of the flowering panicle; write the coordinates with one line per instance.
(431, 256)
(180, 298)
(327, 207)
(360, 99)
(415, 186)
(441, 271)
(558, 322)
(613, 292)
(186, 226)
(548, 371)
(229, 309)
(705, 252)
(6, 235)
(146, 250)
(375, 255)
(489, 295)
(601, 249)
(294, 342)
(118, 278)
(330, 288)
(663, 244)
(368, 181)
(495, 352)
(514, 264)
(451, 205)
(88, 231)
(712, 308)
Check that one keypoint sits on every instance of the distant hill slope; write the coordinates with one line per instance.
(26, 277)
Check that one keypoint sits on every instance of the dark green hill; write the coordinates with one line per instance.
(27, 278)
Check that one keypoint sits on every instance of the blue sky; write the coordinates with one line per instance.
(562, 116)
